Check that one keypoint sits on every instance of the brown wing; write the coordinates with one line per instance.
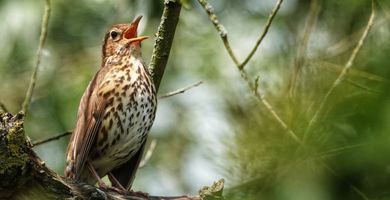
(89, 117)
(125, 173)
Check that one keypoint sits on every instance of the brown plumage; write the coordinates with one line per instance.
(115, 113)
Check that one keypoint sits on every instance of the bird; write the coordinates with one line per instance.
(115, 114)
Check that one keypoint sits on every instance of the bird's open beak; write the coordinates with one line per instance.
(131, 33)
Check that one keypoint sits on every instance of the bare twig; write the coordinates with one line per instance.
(310, 23)
(352, 72)
(164, 38)
(263, 34)
(148, 154)
(180, 91)
(49, 139)
(273, 112)
(42, 39)
(343, 73)
(3, 107)
(345, 43)
(339, 150)
(220, 28)
(363, 87)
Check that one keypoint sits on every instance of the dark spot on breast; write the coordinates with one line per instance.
(110, 101)
(120, 106)
(126, 87)
(104, 149)
(110, 123)
(106, 94)
(106, 115)
(104, 133)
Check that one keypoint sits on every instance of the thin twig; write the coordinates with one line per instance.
(220, 28)
(3, 107)
(339, 150)
(344, 44)
(180, 91)
(49, 139)
(343, 73)
(352, 72)
(148, 154)
(263, 34)
(42, 39)
(311, 20)
(273, 112)
(358, 85)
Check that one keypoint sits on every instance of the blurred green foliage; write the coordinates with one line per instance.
(219, 129)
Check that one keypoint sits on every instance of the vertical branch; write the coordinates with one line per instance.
(343, 73)
(42, 39)
(164, 38)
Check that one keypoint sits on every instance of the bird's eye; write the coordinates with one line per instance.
(114, 34)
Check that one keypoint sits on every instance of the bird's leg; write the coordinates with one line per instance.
(96, 175)
(115, 182)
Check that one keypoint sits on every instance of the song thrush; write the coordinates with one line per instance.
(115, 113)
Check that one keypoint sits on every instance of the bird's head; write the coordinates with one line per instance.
(122, 39)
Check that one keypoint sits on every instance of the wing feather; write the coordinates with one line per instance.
(89, 117)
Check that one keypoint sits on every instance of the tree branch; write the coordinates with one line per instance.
(164, 39)
(42, 39)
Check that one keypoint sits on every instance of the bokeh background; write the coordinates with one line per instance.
(219, 130)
